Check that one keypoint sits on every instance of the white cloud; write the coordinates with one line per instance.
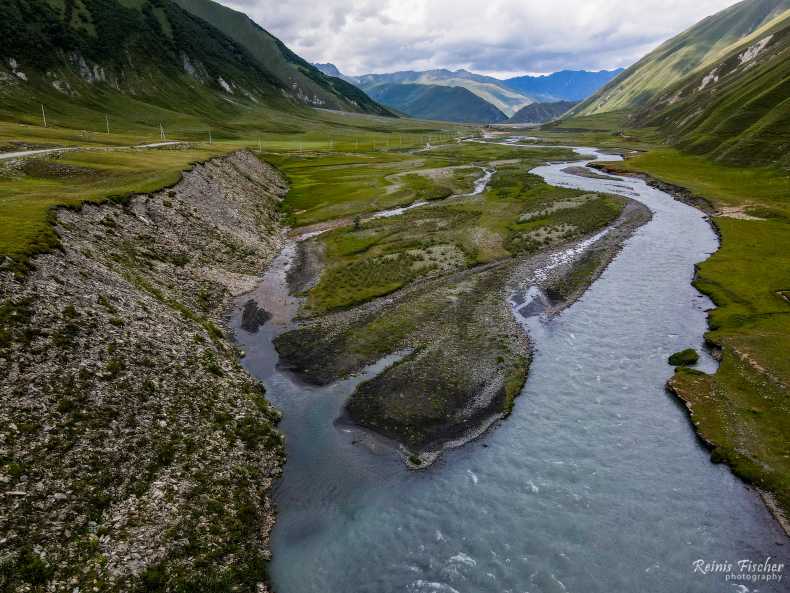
(500, 37)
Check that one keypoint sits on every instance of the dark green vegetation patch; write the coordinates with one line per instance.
(684, 358)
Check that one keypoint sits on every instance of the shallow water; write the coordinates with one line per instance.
(479, 187)
(596, 483)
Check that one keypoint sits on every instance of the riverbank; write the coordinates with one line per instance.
(741, 411)
(136, 449)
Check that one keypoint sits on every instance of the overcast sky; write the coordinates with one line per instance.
(497, 37)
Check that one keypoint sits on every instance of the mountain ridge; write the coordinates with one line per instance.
(310, 83)
(490, 89)
(508, 95)
(436, 102)
(564, 85)
(538, 113)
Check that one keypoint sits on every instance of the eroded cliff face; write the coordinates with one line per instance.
(136, 452)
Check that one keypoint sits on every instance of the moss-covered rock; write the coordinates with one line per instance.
(684, 358)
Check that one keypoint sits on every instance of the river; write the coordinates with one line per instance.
(596, 483)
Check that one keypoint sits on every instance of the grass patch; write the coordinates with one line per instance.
(27, 196)
(345, 286)
(327, 186)
(425, 188)
(761, 187)
(514, 383)
(380, 256)
(291, 136)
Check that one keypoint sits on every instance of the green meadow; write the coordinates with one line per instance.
(29, 189)
(371, 257)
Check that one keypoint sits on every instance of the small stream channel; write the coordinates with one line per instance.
(596, 483)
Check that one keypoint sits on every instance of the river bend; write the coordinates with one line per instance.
(595, 484)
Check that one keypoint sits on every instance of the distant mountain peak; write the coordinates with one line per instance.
(539, 113)
(329, 69)
(437, 102)
(564, 85)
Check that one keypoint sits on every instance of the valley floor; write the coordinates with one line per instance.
(129, 418)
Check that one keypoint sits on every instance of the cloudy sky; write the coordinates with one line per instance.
(497, 37)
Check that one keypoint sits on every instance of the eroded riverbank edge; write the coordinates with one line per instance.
(674, 386)
(137, 451)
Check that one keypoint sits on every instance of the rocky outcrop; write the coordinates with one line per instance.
(136, 452)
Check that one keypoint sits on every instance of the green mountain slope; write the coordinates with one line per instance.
(301, 78)
(697, 47)
(538, 113)
(442, 103)
(736, 109)
(145, 61)
(489, 89)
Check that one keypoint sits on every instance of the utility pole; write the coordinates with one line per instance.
(107, 121)
(44, 115)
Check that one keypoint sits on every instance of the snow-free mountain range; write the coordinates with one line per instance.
(475, 97)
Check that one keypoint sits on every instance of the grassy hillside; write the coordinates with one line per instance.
(736, 109)
(437, 102)
(295, 74)
(695, 48)
(489, 89)
(142, 48)
(541, 112)
(142, 62)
